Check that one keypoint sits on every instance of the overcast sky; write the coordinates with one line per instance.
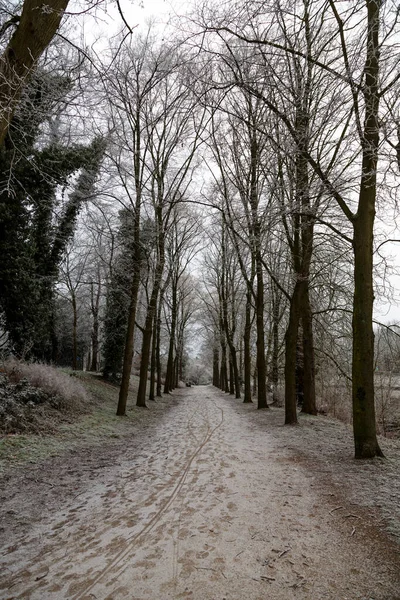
(103, 24)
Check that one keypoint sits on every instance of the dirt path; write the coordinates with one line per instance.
(205, 504)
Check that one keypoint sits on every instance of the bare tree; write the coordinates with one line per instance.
(135, 72)
(358, 37)
(173, 125)
(182, 246)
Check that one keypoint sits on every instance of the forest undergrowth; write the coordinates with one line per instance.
(44, 411)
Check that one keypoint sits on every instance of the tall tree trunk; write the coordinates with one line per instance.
(36, 28)
(364, 425)
(158, 349)
(95, 345)
(247, 351)
(95, 305)
(275, 347)
(290, 356)
(231, 377)
(215, 365)
(236, 377)
(176, 372)
(129, 343)
(181, 365)
(170, 374)
(74, 333)
(151, 312)
(309, 404)
(179, 354)
(261, 364)
(234, 384)
(146, 346)
(299, 369)
(224, 371)
(153, 359)
(241, 360)
(134, 292)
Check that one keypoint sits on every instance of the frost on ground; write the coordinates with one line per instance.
(36, 398)
(206, 499)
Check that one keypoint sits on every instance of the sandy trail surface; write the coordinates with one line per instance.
(209, 502)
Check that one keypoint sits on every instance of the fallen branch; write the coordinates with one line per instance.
(39, 481)
(39, 577)
(211, 569)
(333, 509)
(80, 494)
(267, 578)
(298, 583)
(283, 552)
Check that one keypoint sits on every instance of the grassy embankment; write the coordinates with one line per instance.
(89, 424)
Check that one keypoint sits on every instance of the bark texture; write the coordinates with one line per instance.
(364, 424)
(36, 28)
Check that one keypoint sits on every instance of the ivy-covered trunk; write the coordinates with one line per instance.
(35, 29)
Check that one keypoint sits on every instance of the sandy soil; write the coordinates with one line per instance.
(209, 500)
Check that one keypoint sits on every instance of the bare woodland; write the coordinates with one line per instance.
(209, 204)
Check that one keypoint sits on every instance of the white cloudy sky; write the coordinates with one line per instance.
(106, 21)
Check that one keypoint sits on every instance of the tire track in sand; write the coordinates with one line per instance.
(154, 520)
(189, 426)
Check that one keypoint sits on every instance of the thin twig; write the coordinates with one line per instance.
(39, 577)
(39, 481)
(283, 552)
(333, 509)
(211, 569)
